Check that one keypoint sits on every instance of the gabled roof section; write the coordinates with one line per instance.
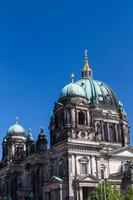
(88, 178)
(116, 176)
(55, 179)
(126, 151)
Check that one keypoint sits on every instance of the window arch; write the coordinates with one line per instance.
(81, 118)
(56, 122)
(103, 171)
(111, 133)
(61, 167)
(84, 164)
(125, 166)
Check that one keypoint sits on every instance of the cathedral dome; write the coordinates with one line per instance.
(89, 110)
(97, 92)
(16, 130)
(72, 89)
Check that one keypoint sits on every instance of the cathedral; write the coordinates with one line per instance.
(89, 144)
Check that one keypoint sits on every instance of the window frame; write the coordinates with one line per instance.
(81, 118)
(83, 171)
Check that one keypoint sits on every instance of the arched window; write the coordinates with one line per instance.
(81, 118)
(105, 131)
(103, 171)
(102, 174)
(61, 168)
(56, 122)
(61, 119)
(112, 133)
(84, 164)
(125, 166)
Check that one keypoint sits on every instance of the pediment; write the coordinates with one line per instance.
(89, 178)
(123, 152)
(55, 179)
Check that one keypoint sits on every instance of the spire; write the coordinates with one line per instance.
(29, 136)
(86, 71)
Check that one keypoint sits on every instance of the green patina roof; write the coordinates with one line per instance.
(29, 136)
(95, 91)
(16, 129)
(122, 108)
(72, 89)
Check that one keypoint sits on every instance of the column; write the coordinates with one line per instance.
(108, 132)
(73, 117)
(102, 131)
(81, 193)
(116, 132)
(61, 196)
(91, 164)
(88, 118)
(96, 161)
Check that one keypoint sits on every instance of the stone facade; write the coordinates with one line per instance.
(89, 143)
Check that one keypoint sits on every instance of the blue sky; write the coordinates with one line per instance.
(42, 42)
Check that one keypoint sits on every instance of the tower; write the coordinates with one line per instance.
(41, 144)
(89, 123)
(14, 143)
(30, 144)
(89, 110)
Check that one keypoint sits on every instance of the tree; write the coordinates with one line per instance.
(129, 193)
(105, 191)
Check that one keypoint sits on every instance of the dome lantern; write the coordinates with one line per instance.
(86, 71)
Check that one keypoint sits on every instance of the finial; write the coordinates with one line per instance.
(30, 130)
(72, 76)
(86, 72)
(17, 119)
(86, 54)
(86, 66)
(29, 136)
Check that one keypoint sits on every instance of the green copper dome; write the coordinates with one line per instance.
(122, 108)
(97, 92)
(30, 137)
(16, 130)
(72, 89)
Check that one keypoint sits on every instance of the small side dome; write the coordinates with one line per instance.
(72, 89)
(16, 130)
(122, 108)
(29, 136)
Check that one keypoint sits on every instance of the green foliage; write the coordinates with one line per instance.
(129, 193)
(106, 191)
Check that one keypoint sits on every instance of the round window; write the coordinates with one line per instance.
(82, 135)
